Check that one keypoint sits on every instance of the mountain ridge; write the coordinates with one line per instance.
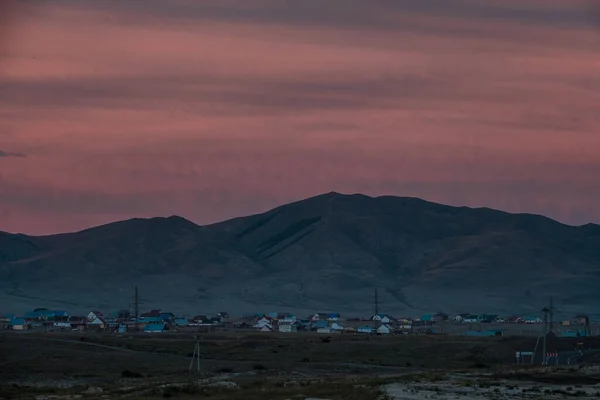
(325, 252)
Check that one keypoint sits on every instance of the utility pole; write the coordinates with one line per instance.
(545, 311)
(196, 355)
(136, 308)
(376, 303)
(551, 314)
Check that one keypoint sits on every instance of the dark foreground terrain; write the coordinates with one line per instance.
(281, 366)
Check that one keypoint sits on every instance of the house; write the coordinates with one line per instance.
(155, 328)
(200, 318)
(98, 323)
(336, 327)
(440, 317)
(60, 315)
(167, 316)
(93, 315)
(471, 319)
(32, 316)
(266, 328)
(223, 316)
(427, 318)
(263, 321)
(43, 314)
(324, 330)
(62, 325)
(288, 328)
(487, 318)
(364, 329)
(151, 320)
(383, 318)
(514, 319)
(181, 322)
(334, 317)
(152, 313)
(241, 325)
(318, 317)
(384, 330)
(18, 324)
(77, 322)
(320, 324)
(532, 319)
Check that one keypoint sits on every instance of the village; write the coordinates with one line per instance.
(158, 321)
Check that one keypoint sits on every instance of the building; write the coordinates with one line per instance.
(383, 318)
(364, 329)
(155, 328)
(98, 323)
(181, 322)
(384, 330)
(18, 324)
(288, 328)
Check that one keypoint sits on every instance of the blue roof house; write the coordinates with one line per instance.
(365, 329)
(32, 315)
(60, 313)
(181, 321)
(427, 318)
(167, 316)
(320, 324)
(18, 324)
(155, 328)
(152, 320)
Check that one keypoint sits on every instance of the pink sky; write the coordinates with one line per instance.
(221, 108)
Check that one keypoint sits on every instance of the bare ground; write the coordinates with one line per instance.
(248, 365)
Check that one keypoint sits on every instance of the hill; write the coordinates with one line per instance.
(327, 252)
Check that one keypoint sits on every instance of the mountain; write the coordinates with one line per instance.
(327, 252)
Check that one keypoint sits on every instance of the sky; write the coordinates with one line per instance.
(213, 109)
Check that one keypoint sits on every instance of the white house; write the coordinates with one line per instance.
(336, 327)
(288, 328)
(266, 328)
(319, 317)
(324, 330)
(385, 319)
(384, 330)
(263, 322)
(97, 322)
(93, 315)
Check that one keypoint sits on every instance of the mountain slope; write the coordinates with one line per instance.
(327, 252)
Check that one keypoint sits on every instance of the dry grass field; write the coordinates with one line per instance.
(265, 366)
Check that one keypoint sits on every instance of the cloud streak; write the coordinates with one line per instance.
(6, 154)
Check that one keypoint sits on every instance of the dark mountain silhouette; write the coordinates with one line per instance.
(327, 252)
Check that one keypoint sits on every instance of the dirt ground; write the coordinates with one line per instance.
(250, 365)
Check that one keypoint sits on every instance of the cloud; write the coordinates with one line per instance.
(219, 108)
(11, 154)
